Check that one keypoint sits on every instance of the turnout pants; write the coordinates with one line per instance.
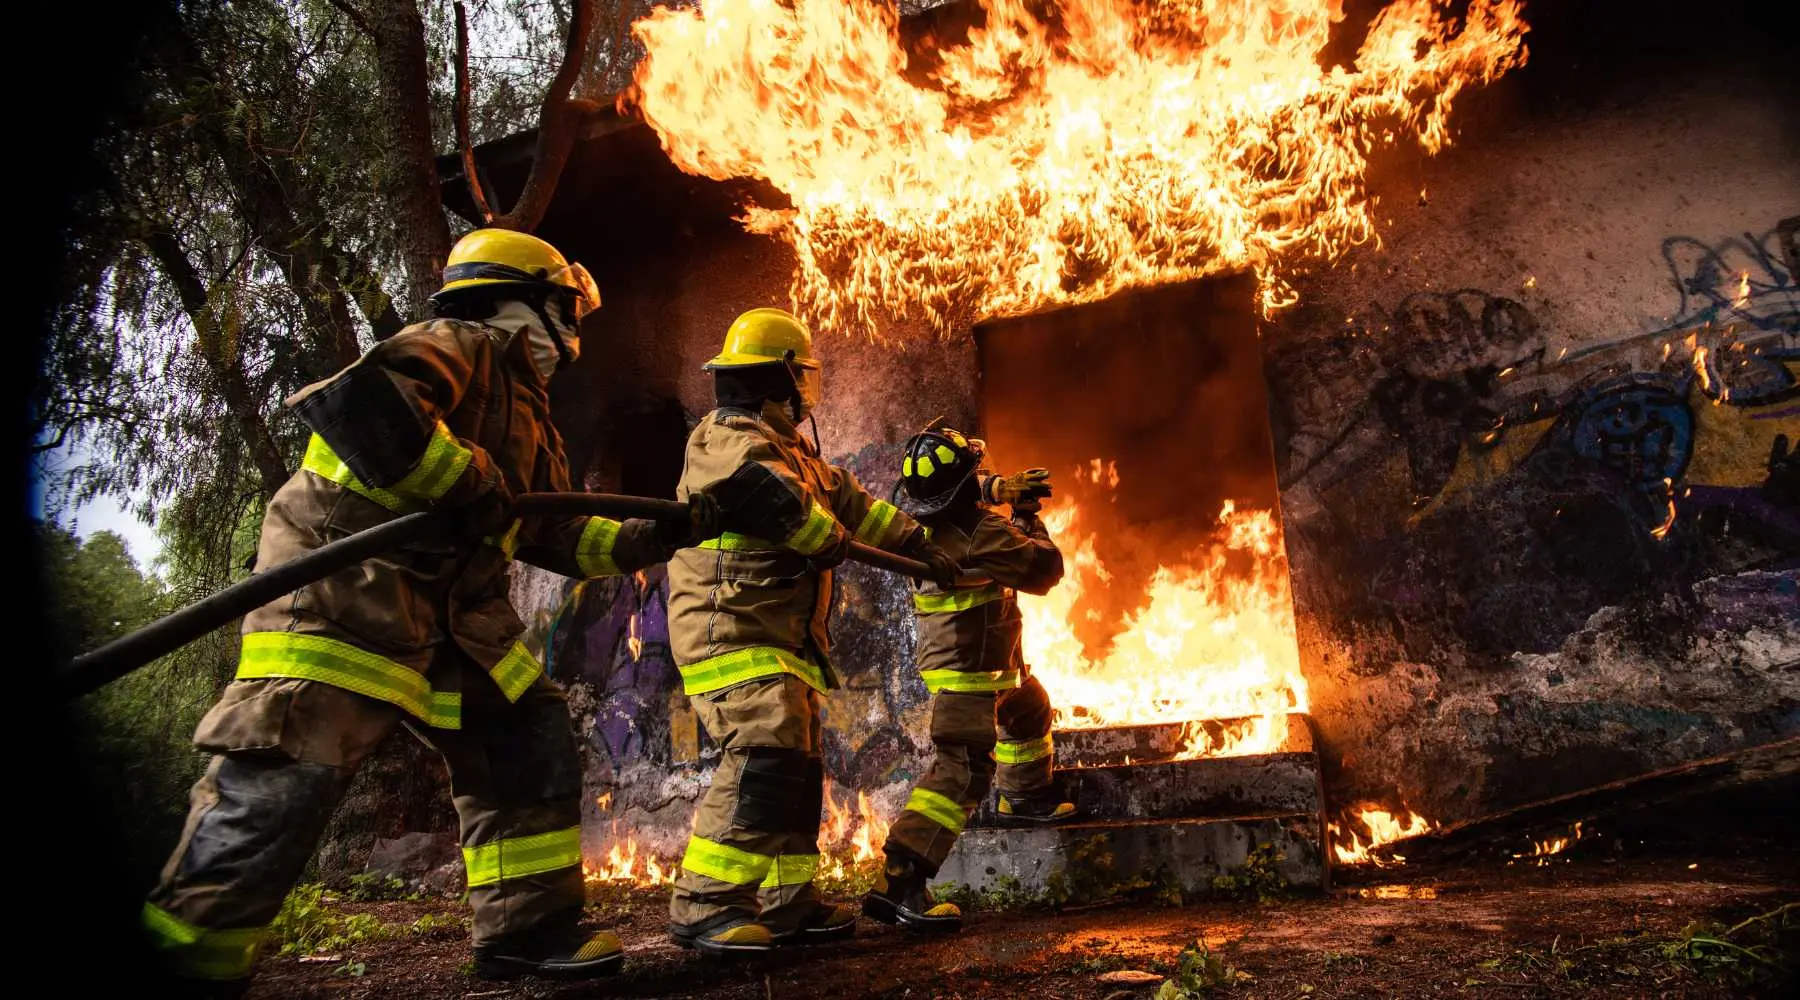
(976, 734)
(285, 753)
(755, 845)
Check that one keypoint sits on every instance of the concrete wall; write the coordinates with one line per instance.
(1473, 423)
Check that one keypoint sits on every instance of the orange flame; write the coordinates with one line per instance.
(1053, 160)
(846, 839)
(1374, 826)
(1543, 850)
(1208, 644)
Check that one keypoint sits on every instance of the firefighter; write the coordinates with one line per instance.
(452, 413)
(748, 614)
(986, 706)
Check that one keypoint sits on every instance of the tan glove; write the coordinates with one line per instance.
(1021, 490)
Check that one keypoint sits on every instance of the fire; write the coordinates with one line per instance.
(1378, 826)
(1053, 157)
(1543, 850)
(625, 862)
(1208, 643)
(847, 839)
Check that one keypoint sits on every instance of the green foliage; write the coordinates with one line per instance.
(370, 887)
(438, 925)
(1259, 877)
(135, 731)
(1761, 952)
(1006, 894)
(1091, 876)
(309, 925)
(1197, 973)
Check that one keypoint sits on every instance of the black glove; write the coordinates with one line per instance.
(701, 523)
(480, 503)
(830, 556)
(941, 567)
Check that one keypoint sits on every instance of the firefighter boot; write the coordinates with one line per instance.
(563, 952)
(730, 933)
(900, 897)
(1036, 807)
(828, 922)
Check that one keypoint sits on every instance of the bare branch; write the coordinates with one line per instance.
(470, 173)
(558, 121)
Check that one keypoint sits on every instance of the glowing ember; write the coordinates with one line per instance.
(1209, 643)
(1543, 850)
(1059, 159)
(1369, 826)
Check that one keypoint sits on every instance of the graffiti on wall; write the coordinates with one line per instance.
(612, 635)
(1502, 489)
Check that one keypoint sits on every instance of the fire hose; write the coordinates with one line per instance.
(92, 670)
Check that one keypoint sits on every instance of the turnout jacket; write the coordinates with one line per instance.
(431, 416)
(753, 602)
(969, 636)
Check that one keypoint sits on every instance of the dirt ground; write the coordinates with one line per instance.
(1593, 923)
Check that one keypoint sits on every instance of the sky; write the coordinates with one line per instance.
(101, 514)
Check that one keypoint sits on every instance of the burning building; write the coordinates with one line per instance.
(1416, 418)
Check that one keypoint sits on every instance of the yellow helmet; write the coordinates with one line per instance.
(504, 258)
(762, 337)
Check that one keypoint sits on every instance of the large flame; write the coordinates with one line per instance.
(1060, 153)
(1211, 641)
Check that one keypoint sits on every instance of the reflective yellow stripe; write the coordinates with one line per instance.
(970, 681)
(791, 869)
(329, 661)
(516, 671)
(731, 541)
(727, 864)
(945, 455)
(939, 809)
(594, 553)
(227, 954)
(956, 600)
(875, 522)
(747, 665)
(812, 536)
(509, 542)
(1022, 751)
(444, 460)
(514, 857)
(322, 461)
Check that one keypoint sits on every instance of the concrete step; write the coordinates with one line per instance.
(1093, 859)
(1186, 789)
(1157, 742)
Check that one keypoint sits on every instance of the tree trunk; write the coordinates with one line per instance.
(412, 177)
(225, 364)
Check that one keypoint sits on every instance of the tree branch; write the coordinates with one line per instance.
(354, 15)
(197, 303)
(558, 121)
(470, 173)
